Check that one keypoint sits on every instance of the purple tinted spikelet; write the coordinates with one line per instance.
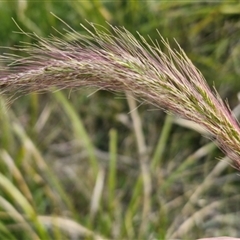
(119, 62)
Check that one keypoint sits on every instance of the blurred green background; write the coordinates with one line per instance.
(70, 162)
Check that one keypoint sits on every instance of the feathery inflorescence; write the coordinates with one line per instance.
(119, 62)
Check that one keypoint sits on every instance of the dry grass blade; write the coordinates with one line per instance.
(196, 219)
(144, 161)
(119, 62)
(72, 228)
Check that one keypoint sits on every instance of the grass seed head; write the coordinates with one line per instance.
(119, 62)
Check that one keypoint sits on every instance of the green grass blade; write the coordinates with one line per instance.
(112, 166)
(78, 129)
(161, 145)
(21, 201)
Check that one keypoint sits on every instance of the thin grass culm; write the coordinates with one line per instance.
(115, 60)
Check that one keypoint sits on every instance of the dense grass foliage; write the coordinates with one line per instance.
(103, 166)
